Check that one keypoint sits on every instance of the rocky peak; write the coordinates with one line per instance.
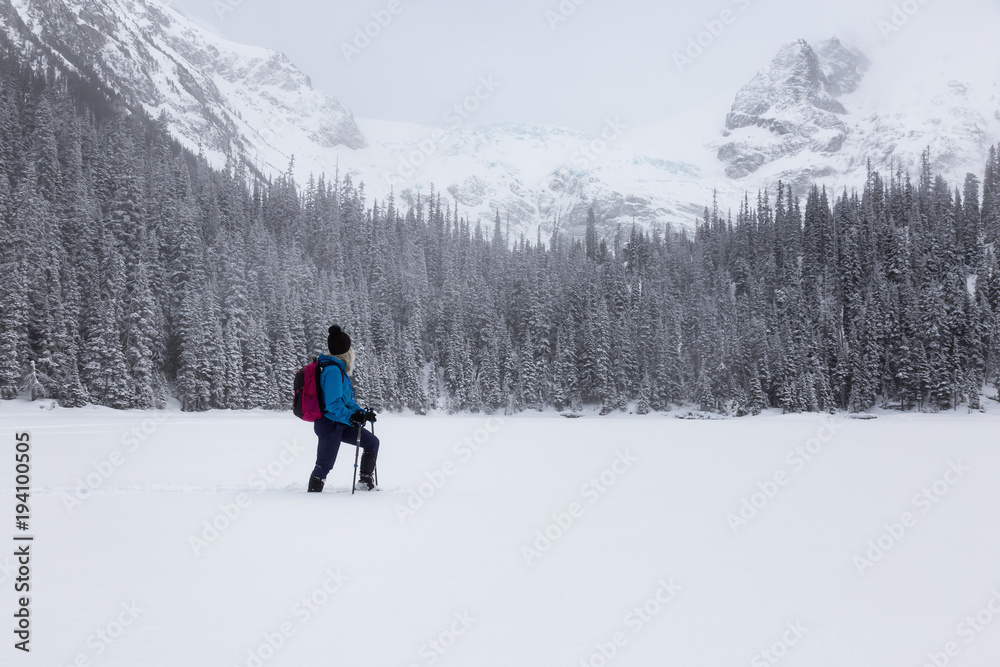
(843, 66)
(794, 82)
(794, 100)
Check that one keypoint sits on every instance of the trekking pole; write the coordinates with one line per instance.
(376, 464)
(357, 450)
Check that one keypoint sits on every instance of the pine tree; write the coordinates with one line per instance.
(591, 234)
(14, 306)
(34, 383)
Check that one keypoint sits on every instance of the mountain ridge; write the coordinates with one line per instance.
(810, 115)
(217, 96)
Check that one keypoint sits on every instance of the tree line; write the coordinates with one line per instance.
(134, 272)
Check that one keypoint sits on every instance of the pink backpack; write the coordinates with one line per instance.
(309, 403)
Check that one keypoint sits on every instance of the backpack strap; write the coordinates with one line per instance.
(345, 380)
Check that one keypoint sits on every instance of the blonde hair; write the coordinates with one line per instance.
(348, 359)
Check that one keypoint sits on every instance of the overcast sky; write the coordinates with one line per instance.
(573, 69)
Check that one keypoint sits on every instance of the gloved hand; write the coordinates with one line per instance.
(358, 418)
(370, 415)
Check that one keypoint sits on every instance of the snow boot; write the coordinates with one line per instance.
(366, 481)
(315, 484)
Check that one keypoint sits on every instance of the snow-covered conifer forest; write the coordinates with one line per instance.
(133, 272)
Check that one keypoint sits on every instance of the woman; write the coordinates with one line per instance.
(342, 416)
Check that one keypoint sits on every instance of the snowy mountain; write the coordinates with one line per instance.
(534, 175)
(815, 113)
(217, 96)
(821, 114)
(791, 108)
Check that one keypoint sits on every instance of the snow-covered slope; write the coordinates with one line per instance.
(534, 175)
(815, 113)
(217, 96)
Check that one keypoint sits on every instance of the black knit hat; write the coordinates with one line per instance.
(338, 341)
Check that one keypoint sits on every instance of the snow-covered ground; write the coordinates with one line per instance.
(529, 540)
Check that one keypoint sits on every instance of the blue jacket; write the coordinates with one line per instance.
(338, 392)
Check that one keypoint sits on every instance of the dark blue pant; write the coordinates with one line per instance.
(331, 434)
